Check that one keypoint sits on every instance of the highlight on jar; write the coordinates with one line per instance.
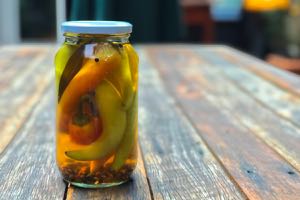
(96, 72)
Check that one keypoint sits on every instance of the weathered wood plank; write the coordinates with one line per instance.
(137, 188)
(19, 93)
(17, 63)
(280, 101)
(6, 57)
(11, 53)
(28, 169)
(284, 79)
(259, 171)
(278, 133)
(178, 163)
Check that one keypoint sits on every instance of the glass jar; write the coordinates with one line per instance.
(96, 114)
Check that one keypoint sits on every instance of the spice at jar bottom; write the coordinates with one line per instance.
(96, 72)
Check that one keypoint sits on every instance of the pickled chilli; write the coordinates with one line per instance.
(96, 112)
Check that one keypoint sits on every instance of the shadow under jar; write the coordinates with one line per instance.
(96, 72)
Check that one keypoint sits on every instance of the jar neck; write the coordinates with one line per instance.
(79, 38)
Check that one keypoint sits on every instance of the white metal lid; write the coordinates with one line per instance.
(97, 27)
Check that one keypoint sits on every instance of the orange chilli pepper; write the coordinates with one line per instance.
(86, 80)
(84, 130)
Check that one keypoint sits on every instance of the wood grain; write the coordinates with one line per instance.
(28, 168)
(284, 79)
(259, 171)
(178, 163)
(6, 57)
(280, 134)
(137, 188)
(22, 84)
(280, 101)
(230, 130)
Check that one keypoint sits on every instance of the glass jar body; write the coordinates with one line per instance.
(96, 112)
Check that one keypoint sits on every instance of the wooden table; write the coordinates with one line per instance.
(214, 123)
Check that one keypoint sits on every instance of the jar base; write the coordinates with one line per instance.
(95, 186)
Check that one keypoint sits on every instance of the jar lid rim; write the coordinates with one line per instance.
(97, 27)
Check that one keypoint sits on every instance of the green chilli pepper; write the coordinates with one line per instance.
(61, 59)
(129, 139)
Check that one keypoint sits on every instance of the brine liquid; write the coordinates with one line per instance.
(96, 121)
(91, 172)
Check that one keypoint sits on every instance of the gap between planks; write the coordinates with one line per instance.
(12, 124)
(28, 168)
(177, 161)
(286, 102)
(281, 78)
(285, 134)
(167, 75)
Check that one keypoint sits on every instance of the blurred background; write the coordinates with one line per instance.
(267, 29)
